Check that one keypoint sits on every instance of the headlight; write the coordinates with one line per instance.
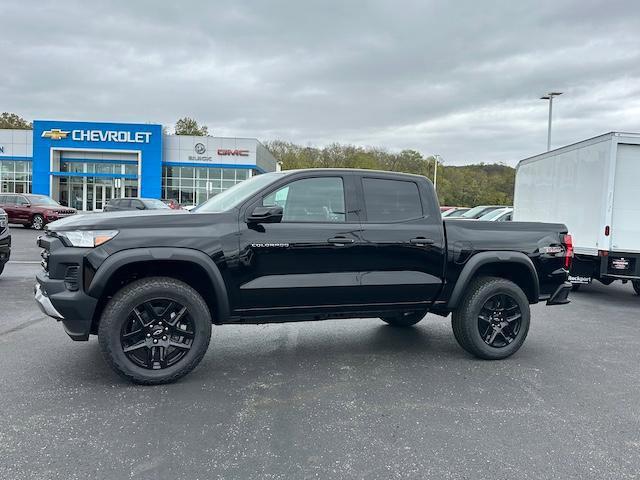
(87, 238)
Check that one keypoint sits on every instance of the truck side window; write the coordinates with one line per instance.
(391, 200)
(310, 200)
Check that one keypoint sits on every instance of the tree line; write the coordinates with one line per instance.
(467, 185)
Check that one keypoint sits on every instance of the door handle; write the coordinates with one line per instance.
(340, 240)
(421, 241)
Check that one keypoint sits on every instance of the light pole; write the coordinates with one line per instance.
(435, 170)
(549, 96)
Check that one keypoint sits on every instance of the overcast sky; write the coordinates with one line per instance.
(458, 78)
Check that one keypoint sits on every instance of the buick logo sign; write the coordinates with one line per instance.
(200, 148)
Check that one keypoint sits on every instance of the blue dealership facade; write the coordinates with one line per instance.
(84, 164)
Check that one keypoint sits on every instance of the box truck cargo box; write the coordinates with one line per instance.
(594, 188)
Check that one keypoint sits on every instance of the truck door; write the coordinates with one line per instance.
(404, 238)
(307, 261)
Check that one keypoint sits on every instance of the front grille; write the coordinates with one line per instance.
(42, 242)
(45, 260)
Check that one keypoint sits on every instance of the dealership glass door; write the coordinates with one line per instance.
(101, 195)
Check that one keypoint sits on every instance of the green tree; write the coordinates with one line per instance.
(11, 120)
(467, 185)
(189, 126)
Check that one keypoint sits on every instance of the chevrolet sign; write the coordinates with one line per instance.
(99, 135)
(110, 136)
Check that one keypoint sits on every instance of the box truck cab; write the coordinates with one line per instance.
(593, 187)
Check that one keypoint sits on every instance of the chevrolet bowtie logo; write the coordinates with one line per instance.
(55, 134)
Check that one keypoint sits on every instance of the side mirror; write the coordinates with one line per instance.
(272, 214)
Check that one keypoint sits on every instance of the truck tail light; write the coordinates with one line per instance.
(567, 240)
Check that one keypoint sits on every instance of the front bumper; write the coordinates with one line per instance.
(58, 290)
(560, 296)
(45, 304)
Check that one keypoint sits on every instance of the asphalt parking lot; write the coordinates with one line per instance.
(335, 399)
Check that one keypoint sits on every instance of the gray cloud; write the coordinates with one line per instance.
(457, 78)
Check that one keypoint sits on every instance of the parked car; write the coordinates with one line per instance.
(295, 245)
(592, 186)
(33, 211)
(445, 208)
(499, 215)
(131, 203)
(476, 212)
(455, 212)
(173, 204)
(5, 240)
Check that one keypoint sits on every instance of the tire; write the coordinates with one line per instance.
(575, 287)
(37, 222)
(138, 318)
(472, 324)
(1, 268)
(405, 319)
(635, 283)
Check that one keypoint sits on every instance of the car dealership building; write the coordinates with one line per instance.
(84, 164)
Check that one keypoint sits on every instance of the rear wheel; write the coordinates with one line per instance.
(37, 222)
(635, 283)
(405, 319)
(155, 330)
(492, 320)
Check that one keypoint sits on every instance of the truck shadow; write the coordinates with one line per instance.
(301, 348)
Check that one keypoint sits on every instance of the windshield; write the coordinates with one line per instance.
(237, 194)
(475, 212)
(457, 213)
(42, 200)
(494, 214)
(156, 204)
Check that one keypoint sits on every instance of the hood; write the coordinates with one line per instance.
(124, 219)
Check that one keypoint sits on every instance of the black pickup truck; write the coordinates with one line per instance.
(294, 246)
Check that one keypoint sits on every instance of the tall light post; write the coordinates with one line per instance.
(435, 171)
(549, 96)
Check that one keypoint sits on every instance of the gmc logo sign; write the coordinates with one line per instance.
(235, 153)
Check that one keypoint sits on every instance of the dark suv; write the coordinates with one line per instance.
(33, 211)
(119, 204)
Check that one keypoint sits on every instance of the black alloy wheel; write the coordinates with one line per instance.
(155, 330)
(499, 320)
(492, 319)
(157, 334)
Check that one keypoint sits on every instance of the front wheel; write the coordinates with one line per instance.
(492, 320)
(37, 222)
(636, 286)
(405, 319)
(155, 330)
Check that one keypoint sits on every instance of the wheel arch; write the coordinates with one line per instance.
(193, 267)
(513, 266)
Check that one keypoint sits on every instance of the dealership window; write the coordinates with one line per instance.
(194, 185)
(15, 176)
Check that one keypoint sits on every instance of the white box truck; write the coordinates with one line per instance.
(594, 188)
